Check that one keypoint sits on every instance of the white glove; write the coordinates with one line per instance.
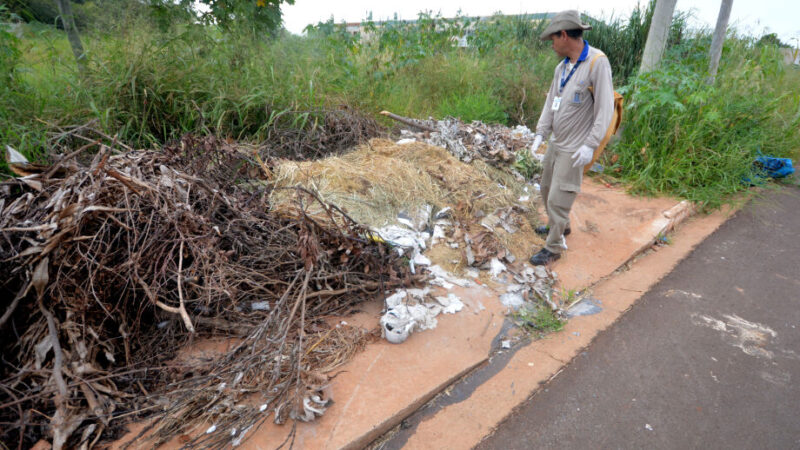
(537, 142)
(583, 156)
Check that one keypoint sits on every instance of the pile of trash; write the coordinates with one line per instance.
(497, 145)
(449, 214)
(113, 264)
(477, 243)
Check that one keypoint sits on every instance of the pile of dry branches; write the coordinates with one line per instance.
(297, 135)
(111, 266)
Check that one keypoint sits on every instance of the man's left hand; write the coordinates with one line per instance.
(582, 156)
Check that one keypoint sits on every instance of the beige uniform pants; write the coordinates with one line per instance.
(560, 185)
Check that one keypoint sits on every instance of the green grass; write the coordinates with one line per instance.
(686, 137)
(538, 319)
(149, 85)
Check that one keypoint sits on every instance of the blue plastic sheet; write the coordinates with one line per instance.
(765, 167)
(772, 167)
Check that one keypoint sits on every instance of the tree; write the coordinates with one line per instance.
(719, 38)
(657, 36)
(772, 39)
(65, 9)
(260, 15)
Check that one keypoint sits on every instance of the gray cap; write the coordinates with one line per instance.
(565, 20)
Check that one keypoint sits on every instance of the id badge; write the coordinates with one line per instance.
(556, 103)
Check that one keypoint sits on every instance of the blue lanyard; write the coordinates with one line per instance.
(564, 72)
(581, 58)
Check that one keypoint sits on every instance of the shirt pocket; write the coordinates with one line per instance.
(579, 96)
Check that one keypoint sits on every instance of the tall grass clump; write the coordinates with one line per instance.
(15, 96)
(155, 87)
(687, 137)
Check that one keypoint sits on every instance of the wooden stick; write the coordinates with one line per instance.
(186, 320)
(407, 121)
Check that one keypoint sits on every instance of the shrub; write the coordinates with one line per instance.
(697, 140)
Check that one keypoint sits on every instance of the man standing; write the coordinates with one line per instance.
(578, 111)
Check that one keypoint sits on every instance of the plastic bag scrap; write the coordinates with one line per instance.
(772, 167)
(410, 310)
(407, 311)
(768, 167)
(420, 228)
(529, 284)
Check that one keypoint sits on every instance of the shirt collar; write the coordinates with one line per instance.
(584, 53)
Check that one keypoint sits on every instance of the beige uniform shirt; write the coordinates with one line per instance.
(581, 118)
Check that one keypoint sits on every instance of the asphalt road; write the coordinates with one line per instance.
(709, 358)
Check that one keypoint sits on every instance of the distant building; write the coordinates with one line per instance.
(358, 28)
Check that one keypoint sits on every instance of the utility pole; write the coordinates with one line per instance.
(719, 38)
(65, 9)
(657, 35)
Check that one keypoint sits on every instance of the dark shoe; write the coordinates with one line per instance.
(544, 230)
(544, 256)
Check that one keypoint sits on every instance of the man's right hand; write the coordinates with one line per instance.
(537, 142)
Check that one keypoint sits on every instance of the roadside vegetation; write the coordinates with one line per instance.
(155, 74)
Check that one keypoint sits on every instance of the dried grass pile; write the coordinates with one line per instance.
(112, 265)
(377, 180)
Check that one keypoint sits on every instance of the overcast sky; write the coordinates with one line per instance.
(754, 17)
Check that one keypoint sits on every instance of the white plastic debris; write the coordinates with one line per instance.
(259, 306)
(537, 187)
(407, 312)
(313, 406)
(398, 323)
(505, 344)
(438, 232)
(496, 267)
(421, 260)
(443, 213)
(540, 272)
(513, 300)
(444, 275)
(522, 132)
(648, 427)
(417, 220)
(262, 408)
(395, 299)
(405, 221)
(419, 294)
(443, 283)
(15, 157)
(525, 198)
(405, 141)
(450, 304)
(211, 429)
(238, 440)
(514, 288)
(238, 378)
(403, 237)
